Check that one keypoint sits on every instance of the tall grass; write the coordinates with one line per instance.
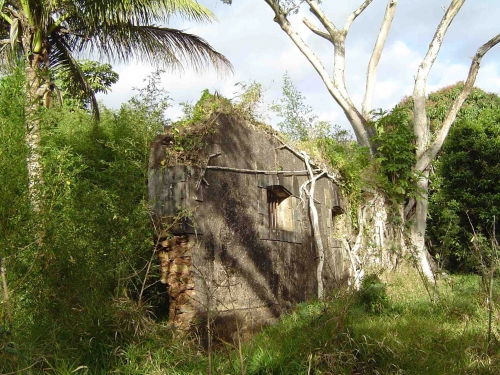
(408, 334)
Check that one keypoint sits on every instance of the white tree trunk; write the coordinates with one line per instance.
(422, 134)
(418, 228)
(336, 89)
(316, 231)
(33, 135)
(36, 72)
(371, 75)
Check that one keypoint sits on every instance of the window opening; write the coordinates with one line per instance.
(280, 209)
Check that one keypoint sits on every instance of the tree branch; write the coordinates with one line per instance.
(317, 31)
(429, 155)
(300, 155)
(352, 114)
(313, 212)
(321, 16)
(371, 75)
(355, 14)
(338, 39)
(258, 171)
(420, 125)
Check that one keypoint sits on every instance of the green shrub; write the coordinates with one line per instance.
(373, 294)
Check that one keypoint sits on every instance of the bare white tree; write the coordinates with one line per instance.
(428, 146)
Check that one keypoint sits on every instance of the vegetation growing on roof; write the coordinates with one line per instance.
(189, 134)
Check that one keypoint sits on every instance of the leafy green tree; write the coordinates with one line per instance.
(466, 196)
(395, 154)
(75, 298)
(299, 122)
(99, 76)
(50, 34)
(445, 224)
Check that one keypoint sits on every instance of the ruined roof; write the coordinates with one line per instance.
(185, 142)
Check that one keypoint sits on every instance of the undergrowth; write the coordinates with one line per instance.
(404, 334)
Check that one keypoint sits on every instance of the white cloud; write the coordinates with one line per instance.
(290, 60)
(401, 50)
(444, 74)
(489, 78)
(386, 89)
(174, 113)
(331, 116)
(130, 76)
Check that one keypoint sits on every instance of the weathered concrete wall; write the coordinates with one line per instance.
(242, 269)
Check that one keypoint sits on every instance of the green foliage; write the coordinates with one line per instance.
(99, 76)
(299, 122)
(336, 336)
(390, 170)
(249, 101)
(75, 298)
(373, 294)
(121, 33)
(464, 182)
(148, 106)
(439, 102)
(395, 154)
(189, 133)
(412, 337)
(13, 153)
(466, 193)
(207, 105)
(198, 121)
(350, 160)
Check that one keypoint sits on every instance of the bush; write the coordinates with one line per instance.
(373, 294)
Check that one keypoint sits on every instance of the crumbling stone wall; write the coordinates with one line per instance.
(176, 267)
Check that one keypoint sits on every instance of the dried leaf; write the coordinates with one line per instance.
(14, 32)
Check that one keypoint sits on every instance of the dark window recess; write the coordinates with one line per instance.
(279, 207)
(272, 206)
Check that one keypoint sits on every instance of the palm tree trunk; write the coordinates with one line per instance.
(36, 71)
(33, 135)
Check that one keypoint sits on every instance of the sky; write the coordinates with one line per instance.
(260, 51)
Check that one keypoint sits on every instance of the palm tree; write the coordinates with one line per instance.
(51, 34)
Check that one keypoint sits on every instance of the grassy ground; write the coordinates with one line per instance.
(392, 330)
(392, 327)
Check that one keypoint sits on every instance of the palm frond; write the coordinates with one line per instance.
(169, 48)
(140, 12)
(61, 58)
(8, 59)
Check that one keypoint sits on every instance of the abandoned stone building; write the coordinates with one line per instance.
(234, 232)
